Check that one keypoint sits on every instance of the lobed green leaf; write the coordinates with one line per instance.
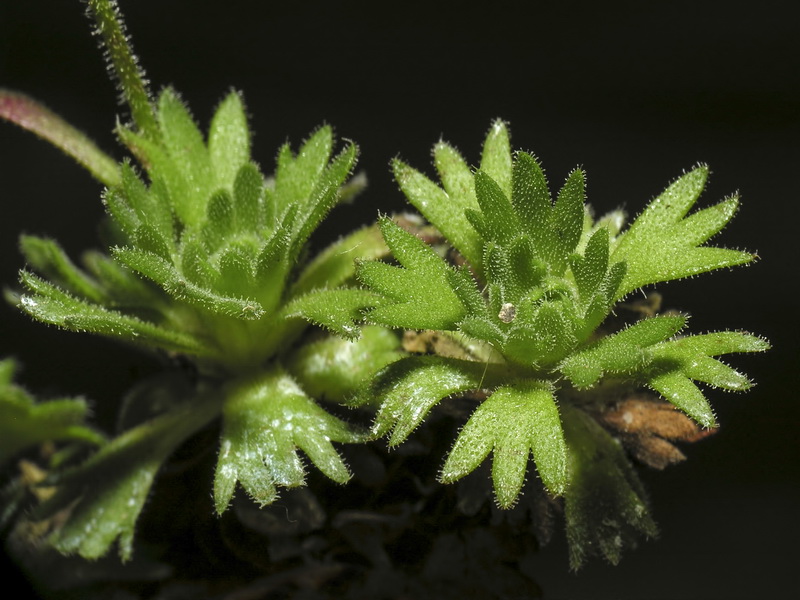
(147, 204)
(296, 177)
(176, 285)
(189, 165)
(322, 198)
(445, 210)
(545, 341)
(267, 419)
(422, 295)
(661, 245)
(677, 363)
(515, 420)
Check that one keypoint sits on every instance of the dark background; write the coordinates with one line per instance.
(634, 92)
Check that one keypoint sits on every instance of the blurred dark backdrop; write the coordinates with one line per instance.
(634, 92)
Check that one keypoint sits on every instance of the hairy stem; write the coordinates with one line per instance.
(123, 63)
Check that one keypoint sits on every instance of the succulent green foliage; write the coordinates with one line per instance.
(25, 423)
(266, 420)
(209, 261)
(606, 507)
(209, 265)
(538, 279)
(535, 311)
(109, 490)
(218, 244)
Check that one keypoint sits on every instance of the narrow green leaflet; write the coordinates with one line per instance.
(683, 393)
(512, 423)
(229, 139)
(499, 222)
(25, 423)
(267, 419)
(47, 257)
(496, 155)
(49, 304)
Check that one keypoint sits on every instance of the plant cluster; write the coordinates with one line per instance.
(504, 308)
